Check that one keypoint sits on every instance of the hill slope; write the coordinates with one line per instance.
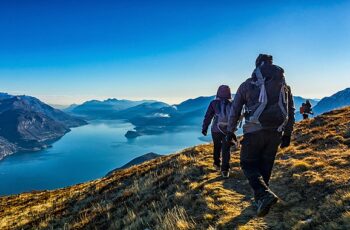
(182, 191)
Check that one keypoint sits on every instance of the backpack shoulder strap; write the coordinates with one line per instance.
(262, 96)
(218, 107)
(284, 105)
(223, 108)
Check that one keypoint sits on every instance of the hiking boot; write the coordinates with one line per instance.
(265, 203)
(217, 167)
(225, 174)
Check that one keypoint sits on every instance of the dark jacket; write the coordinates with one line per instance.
(212, 110)
(248, 95)
(308, 107)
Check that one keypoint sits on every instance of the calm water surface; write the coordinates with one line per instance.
(84, 154)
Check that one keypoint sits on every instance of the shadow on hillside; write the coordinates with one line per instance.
(238, 183)
(246, 215)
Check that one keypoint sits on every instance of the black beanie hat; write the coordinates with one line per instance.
(263, 58)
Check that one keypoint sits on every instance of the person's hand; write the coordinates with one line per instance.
(204, 132)
(285, 141)
(231, 138)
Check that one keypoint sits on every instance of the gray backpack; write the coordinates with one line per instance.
(265, 114)
(222, 115)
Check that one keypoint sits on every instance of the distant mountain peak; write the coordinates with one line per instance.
(27, 124)
(337, 100)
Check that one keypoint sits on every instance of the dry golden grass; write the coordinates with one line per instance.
(182, 191)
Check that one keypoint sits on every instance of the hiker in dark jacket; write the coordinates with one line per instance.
(306, 109)
(219, 109)
(269, 119)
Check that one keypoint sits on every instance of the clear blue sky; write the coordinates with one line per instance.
(69, 51)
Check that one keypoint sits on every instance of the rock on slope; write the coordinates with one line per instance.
(183, 191)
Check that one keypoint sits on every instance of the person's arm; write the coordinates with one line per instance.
(207, 118)
(236, 109)
(291, 112)
(311, 112)
(288, 129)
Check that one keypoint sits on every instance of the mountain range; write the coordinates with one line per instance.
(153, 117)
(127, 109)
(27, 124)
(337, 100)
(106, 109)
(148, 117)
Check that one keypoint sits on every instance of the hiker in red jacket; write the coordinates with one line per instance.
(219, 109)
(269, 120)
(306, 109)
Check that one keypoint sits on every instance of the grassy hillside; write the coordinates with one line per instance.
(182, 191)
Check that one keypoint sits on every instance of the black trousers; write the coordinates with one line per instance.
(305, 116)
(258, 154)
(221, 150)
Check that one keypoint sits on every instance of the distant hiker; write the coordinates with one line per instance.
(219, 109)
(306, 109)
(269, 119)
(301, 110)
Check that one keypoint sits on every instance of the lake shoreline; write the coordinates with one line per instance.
(86, 153)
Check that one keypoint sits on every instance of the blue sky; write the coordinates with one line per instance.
(70, 51)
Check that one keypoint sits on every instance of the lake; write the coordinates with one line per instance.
(84, 154)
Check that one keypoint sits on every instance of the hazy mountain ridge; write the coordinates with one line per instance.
(154, 117)
(106, 109)
(27, 124)
(337, 100)
(183, 191)
(158, 117)
(149, 117)
(114, 108)
(5, 96)
(146, 109)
